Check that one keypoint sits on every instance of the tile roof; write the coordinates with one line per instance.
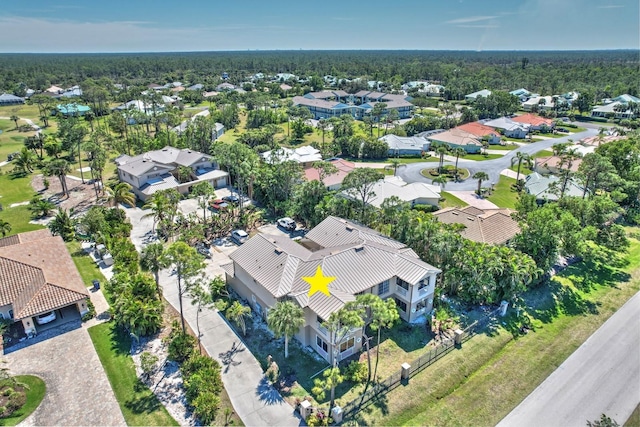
(456, 136)
(357, 256)
(37, 274)
(553, 163)
(343, 166)
(478, 129)
(532, 120)
(493, 226)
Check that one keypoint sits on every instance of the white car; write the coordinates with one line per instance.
(287, 223)
(46, 318)
(239, 236)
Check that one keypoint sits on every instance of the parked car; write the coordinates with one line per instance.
(203, 250)
(239, 236)
(218, 204)
(45, 318)
(287, 223)
(231, 199)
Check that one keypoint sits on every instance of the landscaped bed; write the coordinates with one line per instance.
(19, 397)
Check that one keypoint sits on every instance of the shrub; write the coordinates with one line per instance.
(148, 363)
(426, 208)
(3, 412)
(16, 400)
(319, 419)
(206, 406)
(197, 362)
(356, 372)
(7, 391)
(181, 347)
(91, 313)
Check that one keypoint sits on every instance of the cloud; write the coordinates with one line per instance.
(470, 19)
(611, 6)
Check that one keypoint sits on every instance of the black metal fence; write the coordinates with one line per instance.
(380, 388)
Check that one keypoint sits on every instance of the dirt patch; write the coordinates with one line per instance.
(81, 196)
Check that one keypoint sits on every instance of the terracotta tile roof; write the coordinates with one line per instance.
(494, 226)
(533, 120)
(552, 163)
(343, 166)
(478, 129)
(37, 274)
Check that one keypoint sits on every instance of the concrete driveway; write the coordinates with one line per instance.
(78, 391)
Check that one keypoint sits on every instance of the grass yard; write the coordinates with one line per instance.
(543, 153)
(86, 267)
(35, 394)
(138, 404)
(481, 157)
(524, 169)
(493, 372)
(16, 190)
(451, 201)
(23, 110)
(506, 147)
(503, 196)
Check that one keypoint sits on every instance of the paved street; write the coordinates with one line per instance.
(255, 402)
(601, 377)
(411, 172)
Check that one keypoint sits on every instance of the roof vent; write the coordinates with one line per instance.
(454, 213)
(349, 228)
(278, 250)
(470, 218)
(359, 248)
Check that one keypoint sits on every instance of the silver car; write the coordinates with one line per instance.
(239, 236)
(46, 318)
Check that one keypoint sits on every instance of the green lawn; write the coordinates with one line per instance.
(480, 157)
(493, 372)
(506, 147)
(543, 153)
(451, 201)
(139, 405)
(86, 267)
(16, 190)
(503, 196)
(35, 394)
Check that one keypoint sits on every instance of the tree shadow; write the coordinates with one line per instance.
(227, 357)
(120, 341)
(267, 393)
(144, 404)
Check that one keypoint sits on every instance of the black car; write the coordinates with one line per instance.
(231, 199)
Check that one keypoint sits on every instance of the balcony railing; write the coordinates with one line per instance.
(322, 329)
(401, 291)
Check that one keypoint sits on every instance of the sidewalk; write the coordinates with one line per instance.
(472, 199)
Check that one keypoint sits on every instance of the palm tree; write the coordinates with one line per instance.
(63, 225)
(519, 158)
(237, 313)
(40, 207)
(458, 152)
(24, 161)
(395, 164)
(285, 319)
(121, 194)
(153, 259)
(59, 168)
(15, 119)
(440, 180)
(5, 227)
(441, 151)
(480, 176)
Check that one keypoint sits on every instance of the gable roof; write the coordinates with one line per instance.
(507, 124)
(37, 274)
(538, 185)
(396, 186)
(456, 136)
(493, 226)
(483, 92)
(343, 166)
(405, 142)
(302, 154)
(11, 98)
(357, 256)
(555, 162)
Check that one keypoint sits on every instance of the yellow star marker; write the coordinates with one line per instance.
(319, 282)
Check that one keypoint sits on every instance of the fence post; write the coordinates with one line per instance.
(405, 371)
(458, 337)
(503, 308)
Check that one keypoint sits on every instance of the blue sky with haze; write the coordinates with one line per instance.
(204, 25)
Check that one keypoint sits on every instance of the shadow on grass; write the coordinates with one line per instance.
(120, 341)
(146, 403)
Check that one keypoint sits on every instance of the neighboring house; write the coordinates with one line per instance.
(540, 103)
(553, 165)
(327, 104)
(267, 269)
(54, 90)
(225, 87)
(405, 145)
(521, 93)
(37, 276)
(538, 185)
(598, 140)
(493, 226)
(425, 87)
(285, 87)
(283, 77)
(535, 122)
(72, 92)
(333, 181)
(196, 87)
(305, 155)
(72, 109)
(416, 193)
(9, 99)
(616, 107)
(216, 133)
(482, 131)
(473, 96)
(157, 170)
(508, 127)
(155, 86)
(458, 138)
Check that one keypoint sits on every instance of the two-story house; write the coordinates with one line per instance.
(158, 170)
(268, 268)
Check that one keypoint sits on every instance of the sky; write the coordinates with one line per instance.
(215, 25)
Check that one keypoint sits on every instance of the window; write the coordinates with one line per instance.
(402, 283)
(383, 287)
(322, 345)
(421, 305)
(347, 344)
(10, 314)
(402, 306)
